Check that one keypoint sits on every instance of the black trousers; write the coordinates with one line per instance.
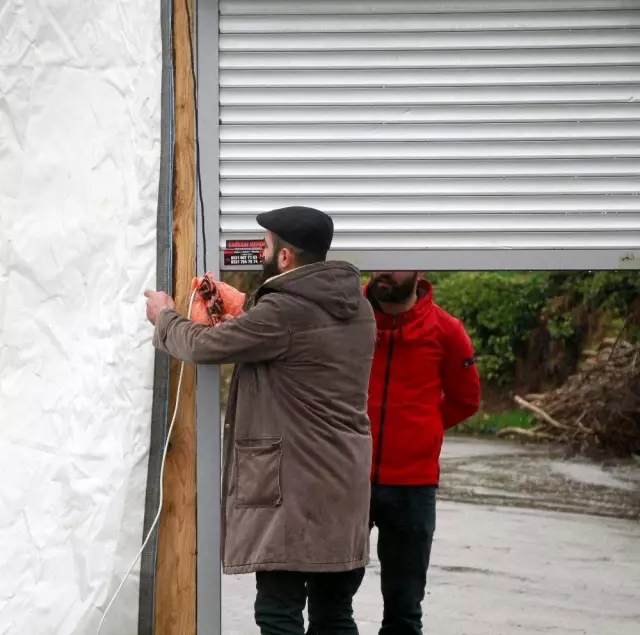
(406, 520)
(282, 596)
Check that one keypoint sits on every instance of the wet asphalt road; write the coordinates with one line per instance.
(526, 543)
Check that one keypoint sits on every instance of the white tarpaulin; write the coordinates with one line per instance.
(80, 97)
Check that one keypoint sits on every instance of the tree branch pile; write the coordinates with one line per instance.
(596, 410)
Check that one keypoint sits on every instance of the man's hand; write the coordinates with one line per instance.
(156, 302)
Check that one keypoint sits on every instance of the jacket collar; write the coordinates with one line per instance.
(417, 311)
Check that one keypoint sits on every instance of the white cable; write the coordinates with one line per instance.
(164, 457)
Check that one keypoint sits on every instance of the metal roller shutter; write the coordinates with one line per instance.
(439, 134)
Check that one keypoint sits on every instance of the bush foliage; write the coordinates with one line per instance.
(501, 310)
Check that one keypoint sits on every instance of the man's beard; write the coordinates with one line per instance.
(270, 268)
(392, 292)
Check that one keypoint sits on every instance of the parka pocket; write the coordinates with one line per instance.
(258, 472)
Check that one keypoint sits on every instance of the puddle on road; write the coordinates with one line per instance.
(503, 473)
(590, 474)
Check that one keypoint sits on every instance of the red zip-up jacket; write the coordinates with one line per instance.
(424, 380)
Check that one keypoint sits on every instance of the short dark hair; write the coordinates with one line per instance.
(302, 256)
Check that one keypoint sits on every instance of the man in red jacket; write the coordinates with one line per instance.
(424, 380)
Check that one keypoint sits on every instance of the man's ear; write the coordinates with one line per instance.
(285, 258)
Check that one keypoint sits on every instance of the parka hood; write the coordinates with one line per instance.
(333, 285)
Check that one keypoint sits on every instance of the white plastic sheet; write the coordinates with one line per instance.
(80, 86)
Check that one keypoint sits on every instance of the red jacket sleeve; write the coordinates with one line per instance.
(460, 378)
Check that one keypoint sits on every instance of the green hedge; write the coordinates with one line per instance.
(500, 310)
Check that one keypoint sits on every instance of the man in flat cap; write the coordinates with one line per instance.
(297, 445)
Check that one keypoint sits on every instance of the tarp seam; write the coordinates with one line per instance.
(164, 276)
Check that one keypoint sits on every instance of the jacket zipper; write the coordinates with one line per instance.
(383, 410)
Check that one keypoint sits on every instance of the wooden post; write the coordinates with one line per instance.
(175, 605)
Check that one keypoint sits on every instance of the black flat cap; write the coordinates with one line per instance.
(303, 227)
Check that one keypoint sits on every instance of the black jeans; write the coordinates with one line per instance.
(282, 596)
(406, 520)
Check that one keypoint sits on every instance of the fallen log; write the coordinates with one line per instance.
(539, 412)
(528, 433)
